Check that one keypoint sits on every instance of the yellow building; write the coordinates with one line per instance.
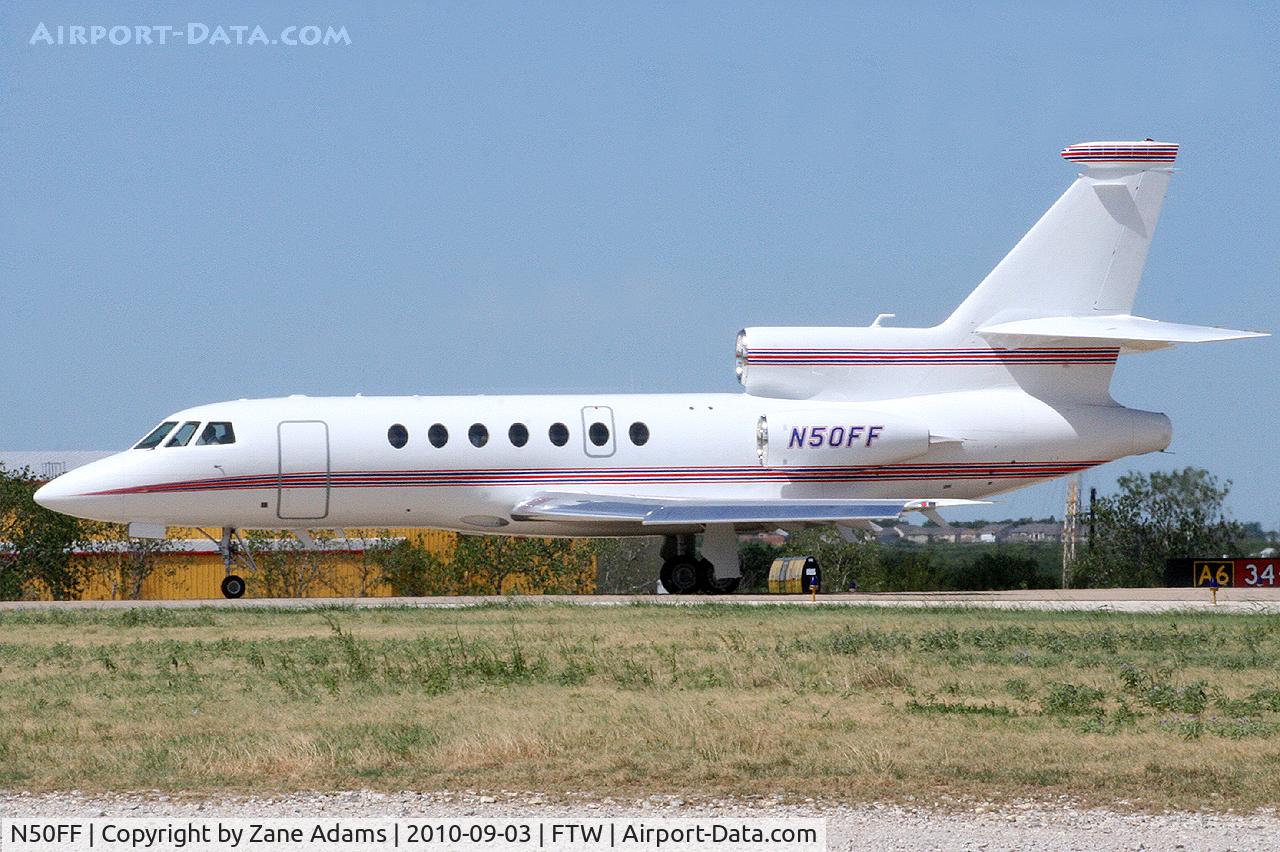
(188, 565)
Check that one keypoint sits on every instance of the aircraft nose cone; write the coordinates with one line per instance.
(54, 495)
(73, 494)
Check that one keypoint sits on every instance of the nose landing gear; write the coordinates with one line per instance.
(233, 547)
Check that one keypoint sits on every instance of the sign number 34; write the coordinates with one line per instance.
(1265, 577)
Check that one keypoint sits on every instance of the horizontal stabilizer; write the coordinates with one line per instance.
(1132, 334)
(653, 511)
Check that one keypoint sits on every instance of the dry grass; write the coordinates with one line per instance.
(854, 704)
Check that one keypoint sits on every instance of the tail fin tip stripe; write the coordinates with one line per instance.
(1121, 152)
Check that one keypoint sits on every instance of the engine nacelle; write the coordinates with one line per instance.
(837, 437)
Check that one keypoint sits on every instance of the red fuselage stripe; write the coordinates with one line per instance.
(616, 476)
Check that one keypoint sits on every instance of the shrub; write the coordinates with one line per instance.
(1070, 699)
(1191, 698)
(992, 570)
(413, 571)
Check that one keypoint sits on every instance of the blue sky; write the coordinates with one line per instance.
(478, 197)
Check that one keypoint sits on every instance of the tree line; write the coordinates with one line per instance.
(1150, 518)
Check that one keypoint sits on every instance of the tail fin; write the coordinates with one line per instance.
(1086, 254)
(1051, 318)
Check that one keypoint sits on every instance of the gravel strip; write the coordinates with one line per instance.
(985, 826)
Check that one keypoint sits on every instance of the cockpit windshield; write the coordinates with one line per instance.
(157, 435)
(217, 433)
(214, 433)
(183, 436)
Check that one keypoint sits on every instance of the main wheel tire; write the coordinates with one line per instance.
(708, 583)
(664, 577)
(723, 586)
(681, 576)
(233, 586)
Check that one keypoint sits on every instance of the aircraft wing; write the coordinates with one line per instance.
(656, 511)
(1134, 334)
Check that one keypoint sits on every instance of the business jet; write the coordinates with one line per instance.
(835, 425)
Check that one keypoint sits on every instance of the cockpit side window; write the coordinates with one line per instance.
(183, 436)
(157, 435)
(217, 433)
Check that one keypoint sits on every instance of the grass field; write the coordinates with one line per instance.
(839, 703)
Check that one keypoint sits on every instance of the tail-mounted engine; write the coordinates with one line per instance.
(844, 363)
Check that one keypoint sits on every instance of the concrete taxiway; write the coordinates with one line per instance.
(1089, 600)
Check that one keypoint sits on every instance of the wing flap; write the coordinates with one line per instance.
(655, 511)
(581, 507)
(773, 512)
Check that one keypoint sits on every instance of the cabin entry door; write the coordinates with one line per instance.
(302, 493)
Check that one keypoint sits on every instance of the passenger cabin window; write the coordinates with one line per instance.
(478, 434)
(598, 433)
(519, 434)
(157, 435)
(438, 435)
(639, 434)
(397, 435)
(216, 433)
(559, 434)
(183, 436)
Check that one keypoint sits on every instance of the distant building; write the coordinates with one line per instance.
(1034, 533)
(932, 534)
(891, 534)
(997, 533)
(990, 534)
(773, 539)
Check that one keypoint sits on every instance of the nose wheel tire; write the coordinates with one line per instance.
(233, 586)
(681, 576)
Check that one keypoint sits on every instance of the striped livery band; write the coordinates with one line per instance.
(899, 357)
(1132, 152)
(617, 476)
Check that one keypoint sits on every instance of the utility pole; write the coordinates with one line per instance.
(1070, 529)
(1093, 498)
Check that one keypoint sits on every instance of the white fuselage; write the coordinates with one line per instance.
(329, 462)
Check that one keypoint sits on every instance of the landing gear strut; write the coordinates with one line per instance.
(685, 571)
(232, 546)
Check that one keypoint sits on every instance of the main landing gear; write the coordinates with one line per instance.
(686, 571)
(232, 547)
